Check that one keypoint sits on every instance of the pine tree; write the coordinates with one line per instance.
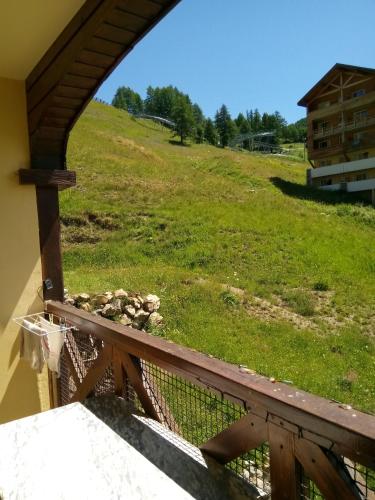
(256, 125)
(224, 125)
(198, 115)
(210, 132)
(126, 98)
(184, 119)
(242, 123)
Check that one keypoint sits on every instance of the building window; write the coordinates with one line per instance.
(357, 137)
(361, 177)
(360, 116)
(358, 93)
(323, 144)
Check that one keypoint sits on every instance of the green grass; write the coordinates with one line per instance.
(187, 223)
(296, 149)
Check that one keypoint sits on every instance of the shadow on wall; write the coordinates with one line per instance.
(20, 270)
(21, 396)
(19, 399)
(302, 192)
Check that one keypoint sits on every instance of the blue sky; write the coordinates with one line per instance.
(249, 54)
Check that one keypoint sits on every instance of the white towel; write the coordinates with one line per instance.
(30, 345)
(52, 344)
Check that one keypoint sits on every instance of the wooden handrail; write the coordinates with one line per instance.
(326, 423)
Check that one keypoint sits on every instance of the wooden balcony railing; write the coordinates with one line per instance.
(346, 127)
(289, 443)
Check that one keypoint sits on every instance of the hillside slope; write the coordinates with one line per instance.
(251, 266)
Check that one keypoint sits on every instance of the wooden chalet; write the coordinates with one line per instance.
(341, 130)
(123, 395)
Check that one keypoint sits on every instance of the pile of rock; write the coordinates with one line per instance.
(130, 309)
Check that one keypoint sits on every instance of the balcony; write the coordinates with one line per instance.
(316, 153)
(228, 427)
(348, 126)
(347, 105)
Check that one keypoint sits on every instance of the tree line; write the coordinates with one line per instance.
(190, 122)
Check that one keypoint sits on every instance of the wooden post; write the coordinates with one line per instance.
(50, 252)
(49, 239)
(285, 471)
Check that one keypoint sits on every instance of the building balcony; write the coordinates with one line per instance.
(319, 153)
(141, 417)
(347, 105)
(346, 127)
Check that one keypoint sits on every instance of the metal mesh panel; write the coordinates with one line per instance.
(195, 413)
(309, 491)
(363, 477)
(83, 350)
(199, 414)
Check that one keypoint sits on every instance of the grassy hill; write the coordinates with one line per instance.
(251, 266)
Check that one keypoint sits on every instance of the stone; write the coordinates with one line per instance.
(129, 310)
(117, 304)
(98, 312)
(140, 318)
(70, 301)
(155, 319)
(109, 310)
(151, 303)
(125, 320)
(85, 306)
(83, 297)
(135, 302)
(120, 294)
(109, 295)
(101, 300)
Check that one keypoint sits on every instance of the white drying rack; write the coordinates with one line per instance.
(33, 323)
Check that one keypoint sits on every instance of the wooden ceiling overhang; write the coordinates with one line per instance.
(330, 81)
(59, 88)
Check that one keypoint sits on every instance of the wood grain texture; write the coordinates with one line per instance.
(134, 373)
(245, 434)
(49, 240)
(61, 179)
(285, 473)
(332, 479)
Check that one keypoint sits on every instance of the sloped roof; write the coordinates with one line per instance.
(325, 79)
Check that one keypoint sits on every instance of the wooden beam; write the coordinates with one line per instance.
(94, 374)
(49, 238)
(285, 472)
(331, 478)
(134, 373)
(118, 372)
(71, 71)
(245, 434)
(324, 421)
(161, 406)
(62, 179)
(56, 61)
